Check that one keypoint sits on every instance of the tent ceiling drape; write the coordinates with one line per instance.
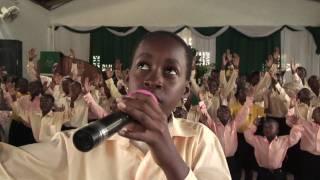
(203, 39)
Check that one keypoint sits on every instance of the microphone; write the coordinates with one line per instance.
(94, 133)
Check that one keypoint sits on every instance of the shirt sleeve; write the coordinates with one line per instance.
(295, 135)
(262, 86)
(249, 135)
(194, 86)
(94, 106)
(38, 161)
(230, 85)
(20, 111)
(113, 89)
(209, 161)
(222, 79)
(243, 112)
(283, 93)
(289, 117)
(297, 79)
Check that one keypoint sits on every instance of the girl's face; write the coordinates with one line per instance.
(316, 115)
(159, 66)
(224, 114)
(35, 88)
(46, 104)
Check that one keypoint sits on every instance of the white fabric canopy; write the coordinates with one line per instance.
(300, 46)
(65, 39)
(294, 44)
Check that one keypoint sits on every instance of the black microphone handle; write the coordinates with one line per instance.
(94, 133)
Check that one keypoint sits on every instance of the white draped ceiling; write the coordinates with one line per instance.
(297, 44)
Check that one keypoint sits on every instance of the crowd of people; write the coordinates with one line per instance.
(263, 124)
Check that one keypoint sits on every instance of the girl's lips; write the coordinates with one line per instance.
(148, 93)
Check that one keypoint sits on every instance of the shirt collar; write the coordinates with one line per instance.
(49, 114)
(266, 139)
(178, 127)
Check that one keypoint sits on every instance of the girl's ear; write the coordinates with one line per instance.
(186, 92)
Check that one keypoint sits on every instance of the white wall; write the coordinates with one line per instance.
(31, 27)
(190, 12)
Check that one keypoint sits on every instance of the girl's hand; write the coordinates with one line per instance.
(152, 128)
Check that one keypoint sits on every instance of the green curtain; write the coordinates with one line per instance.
(315, 31)
(47, 60)
(110, 47)
(252, 51)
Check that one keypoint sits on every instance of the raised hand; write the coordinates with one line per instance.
(224, 61)
(229, 55)
(109, 73)
(236, 60)
(293, 67)
(152, 128)
(276, 54)
(86, 86)
(269, 61)
(32, 54)
(72, 53)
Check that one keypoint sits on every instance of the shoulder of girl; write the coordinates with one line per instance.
(188, 128)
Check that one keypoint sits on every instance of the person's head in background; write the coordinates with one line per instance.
(35, 89)
(57, 77)
(254, 78)
(213, 85)
(270, 128)
(224, 114)
(180, 112)
(203, 95)
(314, 84)
(241, 81)
(54, 68)
(242, 93)
(118, 64)
(9, 81)
(105, 91)
(279, 76)
(22, 86)
(75, 90)
(162, 64)
(316, 115)
(65, 84)
(302, 72)
(304, 96)
(98, 80)
(214, 75)
(46, 103)
(118, 74)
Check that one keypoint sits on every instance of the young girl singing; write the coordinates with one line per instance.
(159, 146)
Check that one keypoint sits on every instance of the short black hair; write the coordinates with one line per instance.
(167, 34)
(271, 120)
(223, 107)
(302, 70)
(22, 84)
(77, 84)
(313, 78)
(37, 86)
(304, 95)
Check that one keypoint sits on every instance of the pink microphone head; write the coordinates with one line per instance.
(145, 92)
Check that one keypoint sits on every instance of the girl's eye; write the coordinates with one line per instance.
(171, 71)
(143, 66)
